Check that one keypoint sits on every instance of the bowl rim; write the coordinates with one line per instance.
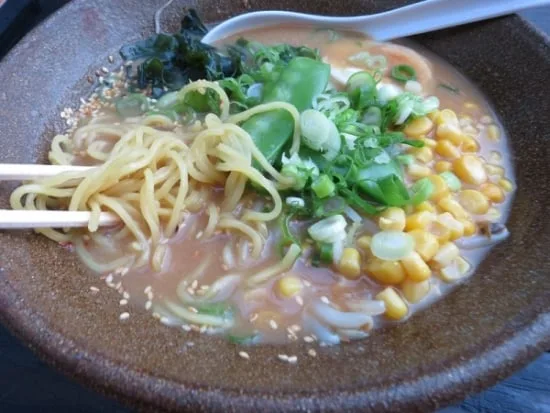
(127, 385)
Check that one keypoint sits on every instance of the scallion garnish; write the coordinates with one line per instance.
(403, 73)
(450, 88)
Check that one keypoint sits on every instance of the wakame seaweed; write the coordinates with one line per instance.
(169, 61)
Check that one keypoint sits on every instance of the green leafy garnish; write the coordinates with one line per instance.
(403, 73)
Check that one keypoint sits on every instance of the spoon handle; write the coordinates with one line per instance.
(430, 15)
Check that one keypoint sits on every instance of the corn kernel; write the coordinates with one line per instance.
(449, 132)
(446, 255)
(415, 267)
(443, 166)
(469, 144)
(414, 292)
(446, 149)
(456, 228)
(493, 132)
(425, 243)
(392, 218)
(385, 272)
(494, 170)
(289, 286)
(419, 220)
(493, 214)
(430, 143)
(424, 154)
(455, 271)
(418, 127)
(433, 115)
(417, 171)
(506, 185)
(449, 204)
(470, 227)
(471, 106)
(473, 201)
(425, 206)
(363, 242)
(440, 187)
(350, 264)
(493, 192)
(396, 308)
(446, 116)
(469, 169)
(441, 232)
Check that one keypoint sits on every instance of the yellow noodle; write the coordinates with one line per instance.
(286, 264)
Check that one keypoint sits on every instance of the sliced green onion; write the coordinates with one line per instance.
(405, 159)
(167, 100)
(360, 80)
(323, 186)
(134, 104)
(329, 229)
(325, 252)
(403, 73)
(392, 245)
(421, 191)
(373, 116)
(450, 88)
(315, 128)
(452, 180)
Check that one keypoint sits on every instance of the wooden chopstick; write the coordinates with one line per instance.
(21, 219)
(23, 172)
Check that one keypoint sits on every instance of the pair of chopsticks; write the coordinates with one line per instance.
(20, 219)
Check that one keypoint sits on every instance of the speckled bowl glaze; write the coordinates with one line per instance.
(480, 333)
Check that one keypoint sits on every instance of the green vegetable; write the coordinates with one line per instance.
(323, 186)
(287, 237)
(450, 88)
(216, 309)
(134, 104)
(403, 73)
(170, 61)
(243, 340)
(325, 252)
(452, 180)
(301, 81)
(361, 88)
(421, 191)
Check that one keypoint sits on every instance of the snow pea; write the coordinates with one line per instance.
(299, 82)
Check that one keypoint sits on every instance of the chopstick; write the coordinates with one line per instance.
(23, 172)
(22, 219)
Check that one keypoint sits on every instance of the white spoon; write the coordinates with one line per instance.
(422, 17)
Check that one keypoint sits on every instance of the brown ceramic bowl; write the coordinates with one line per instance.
(480, 333)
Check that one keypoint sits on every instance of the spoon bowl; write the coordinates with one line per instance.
(421, 17)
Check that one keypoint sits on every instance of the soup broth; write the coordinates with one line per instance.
(211, 276)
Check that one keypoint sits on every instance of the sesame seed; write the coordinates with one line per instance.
(186, 327)
(283, 357)
(124, 316)
(203, 329)
(312, 352)
(293, 359)
(123, 301)
(111, 59)
(104, 69)
(253, 317)
(273, 324)
(165, 321)
(199, 234)
(194, 284)
(190, 344)
(150, 296)
(156, 315)
(325, 299)
(299, 300)
(126, 295)
(308, 339)
(148, 305)
(97, 73)
(244, 355)
(109, 279)
(94, 289)
(306, 283)
(148, 289)
(295, 328)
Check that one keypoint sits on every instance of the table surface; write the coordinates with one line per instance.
(27, 385)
